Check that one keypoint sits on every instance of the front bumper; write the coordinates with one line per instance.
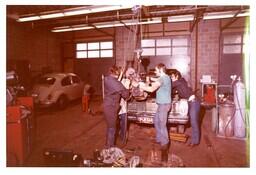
(44, 104)
(147, 118)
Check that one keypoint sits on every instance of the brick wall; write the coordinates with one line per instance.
(39, 46)
(208, 51)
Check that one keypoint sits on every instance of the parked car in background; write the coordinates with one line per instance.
(57, 88)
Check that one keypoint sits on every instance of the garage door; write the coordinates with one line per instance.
(92, 60)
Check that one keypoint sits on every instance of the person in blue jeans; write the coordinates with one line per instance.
(180, 85)
(113, 91)
(126, 81)
(162, 86)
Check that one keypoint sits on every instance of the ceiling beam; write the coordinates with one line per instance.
(102, 31)
(129, 28)
(126, 14)
(231, 21)
(197, 17)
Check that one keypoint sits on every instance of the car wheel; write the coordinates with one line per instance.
(62, 102)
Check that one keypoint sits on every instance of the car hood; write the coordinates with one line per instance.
(42, 91)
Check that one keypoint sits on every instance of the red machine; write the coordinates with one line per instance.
(20, 131)
(209, 94)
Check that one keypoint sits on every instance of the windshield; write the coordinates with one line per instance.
(46, 80)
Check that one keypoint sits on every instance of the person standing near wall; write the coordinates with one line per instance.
(162, 86)
(113, 91)
(184, 91)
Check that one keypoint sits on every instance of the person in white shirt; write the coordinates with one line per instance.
(126, 81)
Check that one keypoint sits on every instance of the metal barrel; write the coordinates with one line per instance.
(226, 119)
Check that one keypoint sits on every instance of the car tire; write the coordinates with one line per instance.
(62, 102)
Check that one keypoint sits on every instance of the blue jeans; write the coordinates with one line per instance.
(194, 111)
(110, 113)
(110, 141)
(123, 124)
(160, 121)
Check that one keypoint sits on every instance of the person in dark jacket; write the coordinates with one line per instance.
(113, 91)
(180, 85)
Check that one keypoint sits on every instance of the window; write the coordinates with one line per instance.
(46, 80)
(75, 79)
(66, 81)
(180, 46)
(81, 50)
(163, 42)
(232, 44)
(167, 46)
(103, 49)
(163, 51)
(148, 46)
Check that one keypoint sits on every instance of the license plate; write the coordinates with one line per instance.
(145, 120)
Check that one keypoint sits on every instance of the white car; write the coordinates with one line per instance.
(57, 88)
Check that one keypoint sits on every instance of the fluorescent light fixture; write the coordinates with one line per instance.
(71, 28)
(62, 30)
(74, 11)
(147, 21)
(53, 15)
(109, 24)
(219, 15)
(83, 28)
(131, 22)
(77, 12)
(152, 21)
(127, 22)
(180, 18)
(247, 13)
(108, 8)
(30, 18)
(93, 9)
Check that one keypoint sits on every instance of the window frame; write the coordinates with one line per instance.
(241, 44)
(75, 79)
(99, 49)
(63, 81)
(171, 46)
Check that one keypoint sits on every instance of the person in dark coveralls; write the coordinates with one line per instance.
(180, 85)
(162, 86)
(113, 91)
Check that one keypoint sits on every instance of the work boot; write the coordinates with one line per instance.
(164, 153)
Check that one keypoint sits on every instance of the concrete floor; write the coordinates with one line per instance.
(72, 129)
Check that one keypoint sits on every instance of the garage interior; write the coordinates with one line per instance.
(206, 43)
